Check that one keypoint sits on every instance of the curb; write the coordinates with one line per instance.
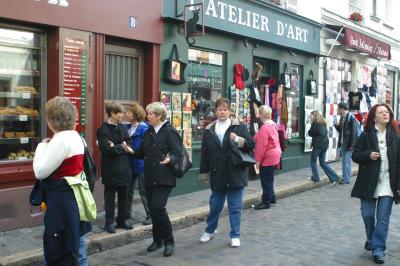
(103, 241)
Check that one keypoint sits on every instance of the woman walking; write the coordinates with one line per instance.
(378, 182)
(267, 154)
(320, 144)
(226, 180)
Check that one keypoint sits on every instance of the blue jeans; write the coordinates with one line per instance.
(267, 183)
(377, 232)
(235, 205)
(328, 171)
(346, 164)
(83, 260)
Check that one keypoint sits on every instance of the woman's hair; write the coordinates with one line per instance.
(370, 123)
(159, 109)
(318, 118)
(61, 113)
(265, 111)
(222, 101)
(113, 107)
(137, 111)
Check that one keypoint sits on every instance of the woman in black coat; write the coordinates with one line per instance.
(377, 152)
(226, 179)
(319, 144)
(161, 147)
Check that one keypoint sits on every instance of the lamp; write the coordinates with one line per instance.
(311, 74)
(246, 43)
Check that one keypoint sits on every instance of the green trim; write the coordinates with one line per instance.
(296, 141)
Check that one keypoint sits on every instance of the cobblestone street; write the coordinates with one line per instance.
(319, 227)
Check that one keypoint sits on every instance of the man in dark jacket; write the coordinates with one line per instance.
(347, 129)
(114, 141)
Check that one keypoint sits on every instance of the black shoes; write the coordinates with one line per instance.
(147, 221)
(154, 246)
(273, 201)
(368, 246)
(110, 228)
(168, 249)
(262, 206)
(379, 259)
(125, 226)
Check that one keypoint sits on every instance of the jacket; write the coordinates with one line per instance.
(319, 135)
(268, 149)
(368, 169)
(216, 157)
(115, 164)
(153, 149)
(349, 133)
(137, 165)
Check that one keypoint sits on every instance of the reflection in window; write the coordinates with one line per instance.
(205, 79)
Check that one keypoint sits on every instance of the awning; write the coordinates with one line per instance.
(366, 44)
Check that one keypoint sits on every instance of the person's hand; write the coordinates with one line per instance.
(203, 178)
(167, 160)
(127, 148)
(374, 155)
(233, 136)
(46, 140)
(110, 143)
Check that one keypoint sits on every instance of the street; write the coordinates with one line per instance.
(318, 227)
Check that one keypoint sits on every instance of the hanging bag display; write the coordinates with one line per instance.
(285, 77)
(174, 69)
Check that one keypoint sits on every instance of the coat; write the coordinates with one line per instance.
(153, 149)
(349, 133)
(115, 164)
(216, 157)
(368, 170)
(137, 165)
(319, 135)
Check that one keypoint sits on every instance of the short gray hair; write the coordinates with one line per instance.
(61, 113)
(159, 109)
(265, 111)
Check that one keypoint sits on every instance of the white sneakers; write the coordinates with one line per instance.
(235, 242)
(206, 237)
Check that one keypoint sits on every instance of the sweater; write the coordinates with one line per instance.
(267, 150)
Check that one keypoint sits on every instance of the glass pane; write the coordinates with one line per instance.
(205, 79)
(20, 95)
(295, 72)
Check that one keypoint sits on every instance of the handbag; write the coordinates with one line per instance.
(182, 166)
(37, 196)
(89, 167)
(241, 158)
(174, 69)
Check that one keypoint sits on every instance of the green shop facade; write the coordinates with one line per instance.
(272, 43)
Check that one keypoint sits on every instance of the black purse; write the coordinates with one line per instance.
(240, 158)
(89, 167)
(182, 166)
(174, 69)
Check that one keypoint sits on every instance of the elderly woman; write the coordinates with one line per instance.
(160, 148)
(56, 159)
(378, 183)
(267, 154)
(226, 179)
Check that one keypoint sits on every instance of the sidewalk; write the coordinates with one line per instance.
(24, 246)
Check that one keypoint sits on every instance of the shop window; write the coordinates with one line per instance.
(205, 78)
(21, 94)
(293, 98)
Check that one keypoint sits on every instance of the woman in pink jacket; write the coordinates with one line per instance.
(267, 154)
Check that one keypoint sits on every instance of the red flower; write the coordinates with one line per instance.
(355, 16)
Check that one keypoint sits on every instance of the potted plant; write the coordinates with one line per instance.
(356, 17)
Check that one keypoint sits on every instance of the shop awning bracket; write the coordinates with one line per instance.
(333, 44)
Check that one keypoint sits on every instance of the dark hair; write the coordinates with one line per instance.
(371, 117)
(343, 106)
(222, 101)
(113, 107)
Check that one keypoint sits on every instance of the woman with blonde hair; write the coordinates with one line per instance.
(319, 144)
(267, 153)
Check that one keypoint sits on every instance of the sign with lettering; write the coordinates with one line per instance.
(366, 44)
(259, 21)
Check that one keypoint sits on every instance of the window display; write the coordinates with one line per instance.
(205, 79)
(20, 94)
(293, 98)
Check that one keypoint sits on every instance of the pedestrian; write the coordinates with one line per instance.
(114, 141)
(378, 181)
(57, 159)
(226, 180)
(320, 144)
(136, 130)
(267, 153)
(347, 129)
(161, 147)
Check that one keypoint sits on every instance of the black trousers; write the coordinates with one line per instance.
(157, 198)
(109, 203)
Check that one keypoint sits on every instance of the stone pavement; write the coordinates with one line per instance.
(24, 246)
(319, 227)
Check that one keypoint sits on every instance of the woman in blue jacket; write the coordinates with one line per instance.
(136, 130)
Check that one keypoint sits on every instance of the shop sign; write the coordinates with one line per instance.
(366, 44)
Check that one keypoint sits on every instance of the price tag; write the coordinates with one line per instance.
(24, 140)
(26, 95)
(23, 118)
(22, 158)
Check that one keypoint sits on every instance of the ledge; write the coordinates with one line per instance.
(374, 18)
(296, 141)
(388, 25)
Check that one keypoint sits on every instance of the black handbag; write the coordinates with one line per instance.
(89, 167)
(37, 196)
(182, 166)
(241, 158)
(174, 69)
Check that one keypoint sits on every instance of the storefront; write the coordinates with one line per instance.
(89, 51)
(246, 45)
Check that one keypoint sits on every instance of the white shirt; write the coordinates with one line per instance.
(133, 128)
(158, 127)
(221, 128)
(383, 188)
